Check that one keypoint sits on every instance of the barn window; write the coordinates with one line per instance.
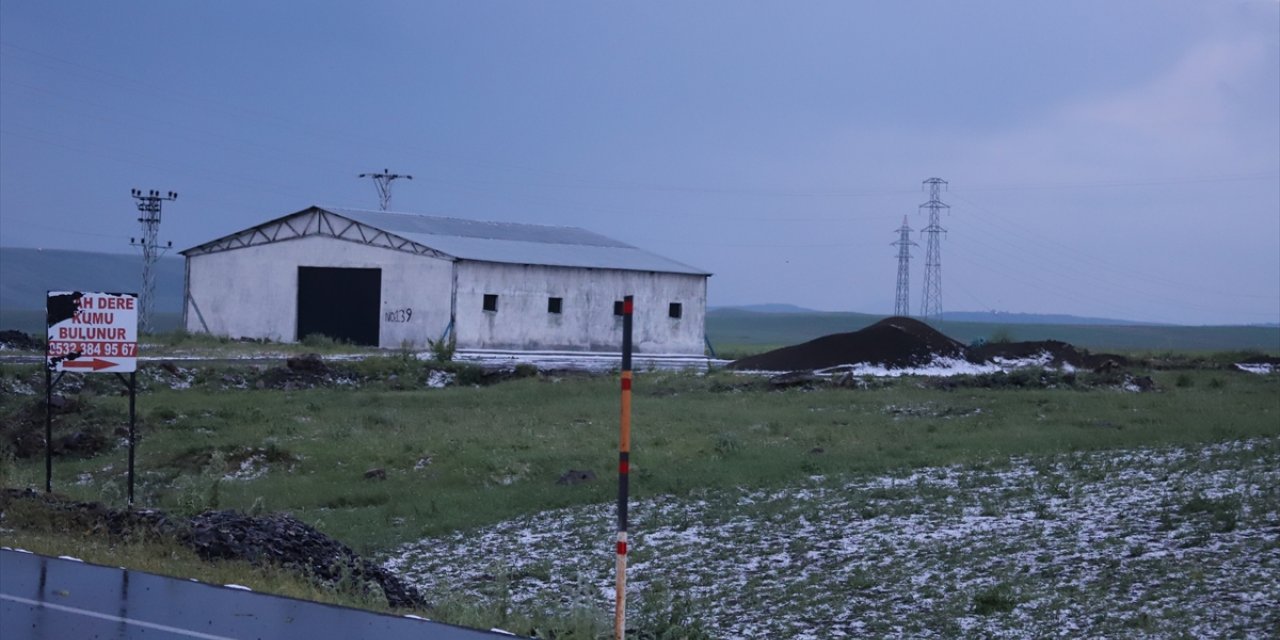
(490, 302)
(675, 310)
(617, 307)
(554, 304)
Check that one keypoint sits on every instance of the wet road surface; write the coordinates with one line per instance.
(44, 598)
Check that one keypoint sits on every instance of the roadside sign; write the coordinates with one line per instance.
(92, 332)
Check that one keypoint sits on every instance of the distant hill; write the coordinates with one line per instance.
(26, 275)
(737, 331)
(767, 308)
(1004, 317)
(738, 326)
(989, 317)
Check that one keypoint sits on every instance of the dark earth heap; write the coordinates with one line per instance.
(899, 342)
(280, 539)
(19, 341)
(1060, 353)
(276, 539)
(895, 342)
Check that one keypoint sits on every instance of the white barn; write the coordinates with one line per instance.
(401, 280)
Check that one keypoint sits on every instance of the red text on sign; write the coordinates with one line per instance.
(59, 348)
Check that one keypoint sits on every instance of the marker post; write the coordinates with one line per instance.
(624, 464)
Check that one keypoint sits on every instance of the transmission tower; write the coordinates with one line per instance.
(902, 305)
(149, 206)
(383, 181)
(931, 306)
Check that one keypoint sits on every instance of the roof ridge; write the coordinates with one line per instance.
(332, 209)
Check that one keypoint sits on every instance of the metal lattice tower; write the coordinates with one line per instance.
(902, 304)
(149, 206)
(931, 305)
(383, 181)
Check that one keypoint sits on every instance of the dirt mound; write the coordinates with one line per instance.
(74, 434)
(1271, 360)
(1058, 353)
(281, 539)
(19, 341)
(51, 511)
(895, 343)
(276, 539)
(307, 371)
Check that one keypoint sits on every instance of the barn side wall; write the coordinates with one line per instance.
(586, 321)
(253, 292)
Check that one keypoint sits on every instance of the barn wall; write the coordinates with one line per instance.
(253, 292)
(586, 322)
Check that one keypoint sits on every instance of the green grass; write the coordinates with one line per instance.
(486, 454)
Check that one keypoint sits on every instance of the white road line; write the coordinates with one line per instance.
(111, 618)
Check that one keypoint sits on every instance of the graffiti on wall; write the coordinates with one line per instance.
(398, 315)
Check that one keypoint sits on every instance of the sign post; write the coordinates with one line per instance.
(90, 332)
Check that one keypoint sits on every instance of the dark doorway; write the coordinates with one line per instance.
(339, 303)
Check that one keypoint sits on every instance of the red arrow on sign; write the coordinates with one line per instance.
(95, 364)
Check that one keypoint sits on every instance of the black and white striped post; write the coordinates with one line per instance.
(624, 464)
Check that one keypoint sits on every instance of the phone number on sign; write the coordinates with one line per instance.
(116, 349)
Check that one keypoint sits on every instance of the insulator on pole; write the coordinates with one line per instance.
(149, 205)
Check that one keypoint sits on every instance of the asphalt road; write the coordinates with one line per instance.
(44, 598)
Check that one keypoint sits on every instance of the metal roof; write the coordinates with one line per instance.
(516, 243)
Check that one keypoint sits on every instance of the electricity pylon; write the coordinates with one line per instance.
(931, 305)
(902, 304)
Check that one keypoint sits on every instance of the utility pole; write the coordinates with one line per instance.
(901, 304)
(931, 306)
(383, 181)
(149, 206)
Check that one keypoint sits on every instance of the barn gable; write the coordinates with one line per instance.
(313, 221)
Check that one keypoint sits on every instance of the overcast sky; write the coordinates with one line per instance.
(1117, 159)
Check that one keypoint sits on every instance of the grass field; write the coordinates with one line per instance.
(469, 461)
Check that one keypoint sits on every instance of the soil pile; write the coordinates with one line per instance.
(281, 539)
(901, 343)
(894, 343)
(269, 540)
(19, 341)
(1268, 360)
(1059, 354)
(74, 434)
(29, 507)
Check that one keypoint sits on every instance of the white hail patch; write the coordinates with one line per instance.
(938, 366)
(1096, 544)
(251, 468)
